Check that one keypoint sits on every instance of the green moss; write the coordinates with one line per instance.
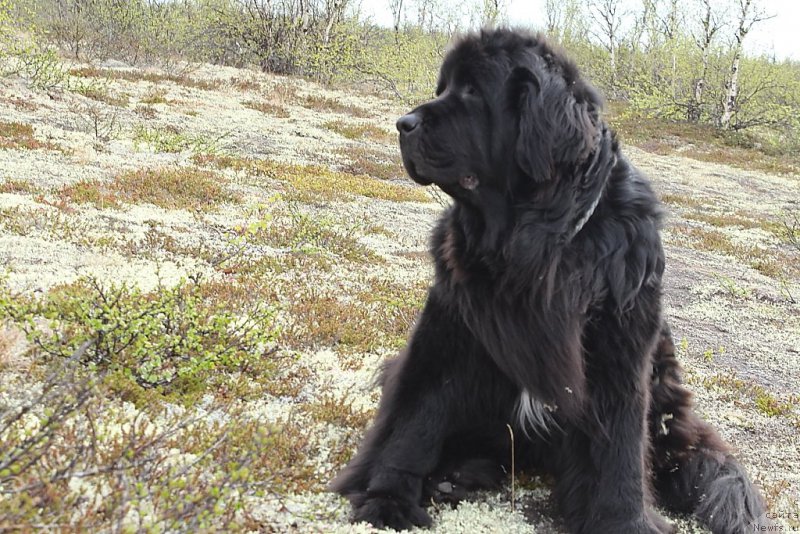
(357, 131)
(169, 188)
(325, 104)
(312, 183)
(267, 108)
(18, 135)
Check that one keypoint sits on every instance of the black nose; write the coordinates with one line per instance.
(407, 123)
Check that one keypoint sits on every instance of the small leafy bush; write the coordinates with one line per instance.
(171, 339)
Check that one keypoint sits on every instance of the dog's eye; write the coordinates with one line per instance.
(470, 90)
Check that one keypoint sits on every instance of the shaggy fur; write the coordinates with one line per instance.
(545, 314)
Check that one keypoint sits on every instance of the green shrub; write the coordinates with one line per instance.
(171, 339)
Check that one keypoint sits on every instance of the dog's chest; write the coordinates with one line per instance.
(534, 415)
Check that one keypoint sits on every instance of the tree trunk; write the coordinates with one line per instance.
(729, 105)
(745, 23)
(711, 26)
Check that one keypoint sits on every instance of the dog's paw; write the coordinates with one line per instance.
(652, 524)
(661, 525)
(452, 486)
(383, 512)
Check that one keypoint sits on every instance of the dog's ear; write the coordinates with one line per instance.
(532, 151)
(576, 122)
(559, 122)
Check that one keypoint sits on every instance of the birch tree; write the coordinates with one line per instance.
(748, 14)
(608, 15)
(710, 24)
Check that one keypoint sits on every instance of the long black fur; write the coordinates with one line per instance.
(548, 281)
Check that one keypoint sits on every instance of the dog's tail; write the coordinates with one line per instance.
(693, 470)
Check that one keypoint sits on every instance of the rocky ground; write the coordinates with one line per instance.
(117, 176)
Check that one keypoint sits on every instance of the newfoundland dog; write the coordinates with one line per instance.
(545, 315)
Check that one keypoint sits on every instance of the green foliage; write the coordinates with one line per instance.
(171, 339)
(315, 183)
(23, 52)
(171, 140)
(404, 62)
(169, 188)
(135, 31)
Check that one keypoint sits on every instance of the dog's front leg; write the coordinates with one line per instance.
(605, 459)
(422, 390)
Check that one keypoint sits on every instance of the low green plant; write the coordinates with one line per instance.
(313, 183)
(19, 135)
(145, 76)
(99, 91)
(357, 131)
(166, 187)
(267, 108)
(326, 104)
(770, 405)
(171, 339)
(155, 96)
(287, 226)
(375, 163)
(172, 140)
(732, 287)
(17, 186)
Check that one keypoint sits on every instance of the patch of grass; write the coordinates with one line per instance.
(737, 389)
(377, 317)
(169, 188)
(379, 229)
(769, 263)
(171, 140)
(314, 183)
(245, 84)
(146, 112)
(174, 188)
(357, 131)
(156, 468)
(155, 96)
(771, 406)
(325, 104)
(302, 234)
(701, 142)
(267, 108)
(338, 411)
(17, 186)
(16, 135)
(157, 243)
(732, 287)
(284, 91)
(722, 220)
(681, 200)
(139, 76)
(29, 221)
(789, 229)
(375, 163)
(712, 240)
(170, 340)
(19, 104)
(94, 192)
(740, 219)
(102, 94)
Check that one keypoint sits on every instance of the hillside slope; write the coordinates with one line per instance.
(256, 189)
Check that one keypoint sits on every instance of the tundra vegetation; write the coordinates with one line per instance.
(208, 245)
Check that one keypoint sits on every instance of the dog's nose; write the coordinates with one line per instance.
(407, 123)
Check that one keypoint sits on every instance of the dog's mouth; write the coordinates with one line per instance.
(468, 182)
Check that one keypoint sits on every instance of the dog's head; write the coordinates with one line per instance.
(509, 113)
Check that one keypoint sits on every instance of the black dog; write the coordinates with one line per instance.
(545, 314)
